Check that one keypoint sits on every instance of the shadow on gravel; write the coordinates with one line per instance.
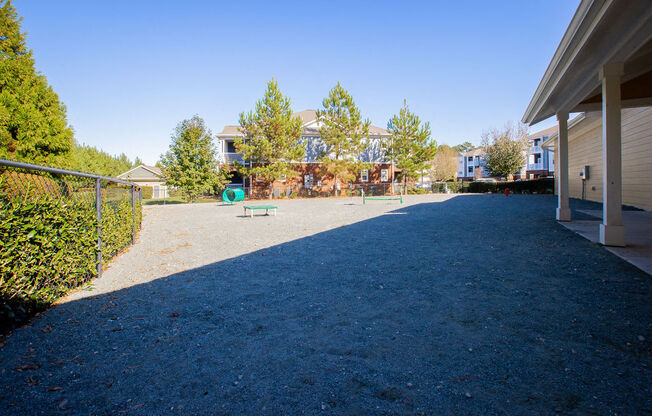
(476, 305)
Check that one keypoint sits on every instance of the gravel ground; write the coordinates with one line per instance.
(448, 305)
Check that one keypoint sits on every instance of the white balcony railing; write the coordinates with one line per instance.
(535, 166)
(535, 149)
(229, 157)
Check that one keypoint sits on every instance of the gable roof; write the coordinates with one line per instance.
(542, 133)
(307, 117)
(155, 172)
(475, 152)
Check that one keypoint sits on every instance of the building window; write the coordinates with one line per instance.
(470, 169)
(230, 147)
(308, 180)
(364, 175)
(470, 158)
(384, 175)
(283, 178)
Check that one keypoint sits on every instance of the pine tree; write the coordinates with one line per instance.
(272, 138)
(344, 134)
(410, 146)
(190, 163)
(89, 159)
(33, 126)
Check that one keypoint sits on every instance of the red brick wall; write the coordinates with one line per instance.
(262, 189)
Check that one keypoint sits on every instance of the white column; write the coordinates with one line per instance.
(563, 208)
(612, 232)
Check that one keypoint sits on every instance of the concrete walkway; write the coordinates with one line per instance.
(638, 234)
(445, 305)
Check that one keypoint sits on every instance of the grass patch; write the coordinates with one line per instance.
(174, 200)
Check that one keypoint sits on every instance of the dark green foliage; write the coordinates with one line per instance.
(344, 134)
(538, 186)
(33, 126)
(92, 160)
(190, 163)
(272, 142)
(48, 239)
(410, 146)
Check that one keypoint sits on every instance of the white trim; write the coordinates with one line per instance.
(141, 166)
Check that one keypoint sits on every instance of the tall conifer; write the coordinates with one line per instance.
(33, 126)
(344, 134)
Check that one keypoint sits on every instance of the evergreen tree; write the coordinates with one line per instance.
(190, 163)
(272, 138)
(92, 160)
(410, 146)
(33, 126)
(344, 134)
(463, 147)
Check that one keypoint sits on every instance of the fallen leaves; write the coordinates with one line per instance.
(57, 388)
(28, 366)
(174, 314)
(46, 329)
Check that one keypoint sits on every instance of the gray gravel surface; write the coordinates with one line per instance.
(447, 305)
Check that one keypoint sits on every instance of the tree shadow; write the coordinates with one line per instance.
(481, 296)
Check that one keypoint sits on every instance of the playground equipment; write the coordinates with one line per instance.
(252, 208)
(231, 196)
(381, 198)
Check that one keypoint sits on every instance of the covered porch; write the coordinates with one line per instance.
(603, 64)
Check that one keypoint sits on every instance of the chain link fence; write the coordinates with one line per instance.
(301, 191)
(57, 228)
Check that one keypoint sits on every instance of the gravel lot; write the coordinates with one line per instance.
(447, 305)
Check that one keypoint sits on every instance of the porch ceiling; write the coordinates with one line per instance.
(601, 31)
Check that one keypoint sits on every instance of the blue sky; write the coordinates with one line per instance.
(129, 71)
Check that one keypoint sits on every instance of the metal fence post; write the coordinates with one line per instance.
(98, 209)
(133, 215)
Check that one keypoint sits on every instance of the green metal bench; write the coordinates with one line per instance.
(381, 198)
(252, 208)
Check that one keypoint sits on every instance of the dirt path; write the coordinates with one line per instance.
(477, 304)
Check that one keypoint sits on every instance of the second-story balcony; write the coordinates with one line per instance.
(535, 166)
(230, 157)
(535, 149)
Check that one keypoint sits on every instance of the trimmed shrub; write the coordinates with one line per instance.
(417, 191)
(48, 244)
(538, 186)
(148, 192)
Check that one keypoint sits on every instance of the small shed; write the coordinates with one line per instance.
(149, 176)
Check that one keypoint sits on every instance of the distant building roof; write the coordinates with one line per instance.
(143, 172)
(543, 133)
(475, 152)
(306, 116)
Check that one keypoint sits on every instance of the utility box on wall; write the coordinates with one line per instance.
(584, 173)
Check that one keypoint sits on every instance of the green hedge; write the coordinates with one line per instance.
(148, 192)
(48, 245)
(535, 186)
(453, 187)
